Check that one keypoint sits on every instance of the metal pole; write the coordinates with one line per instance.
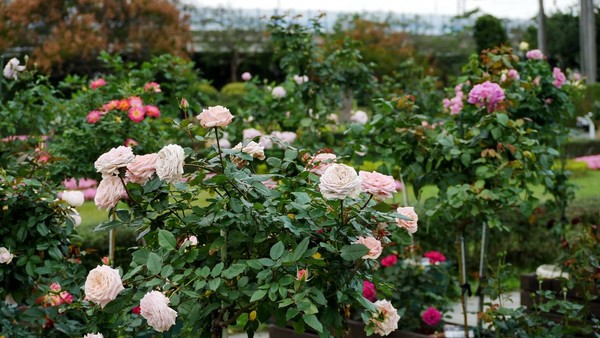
(541, 36)
(481, 275)
(587, 25)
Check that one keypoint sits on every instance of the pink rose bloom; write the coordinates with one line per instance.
(136, 114)
(135, 101)
(399, 185)
(155, 87)
(123, 105)
(302, 275)
(379, 185)
(217, 116)
(66, 297)
(94, 116)
(410, 226)
(513, 74)
(246, 76)
(385, 320)
(250, 133)
(55, 287)
(89, 193)
(537, 80)
(389, 260)
(142, 168)
(278, 92)
(251, 148)
(94, 335)
(154, 307)
(559, 77)
(435, 257)
(5, 256)
(110, 162)
(431, 316)
(114, 104)
(152, 111)
(285, 137)
(359, 117)
(102, 285)
(535, 54)
(97, 83)
(265, 142)
(109, 192)
(320, 162)
(369, 291)
(373, 244)
(300, 79)
(487, 94)
(129, 142)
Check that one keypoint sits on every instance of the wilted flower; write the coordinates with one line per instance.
(109, 192)
(12, 69)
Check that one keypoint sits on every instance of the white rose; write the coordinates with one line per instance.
(320, 162)
(251, 133)
(339, 181)
(217, 116)
(169, 164)
(154, 307)
(524, 46)
(110, 162)
(265, 142)
(74, 198)
(278, 92)
(12, 69)
(94, 335)
(385, 320)
(75, 217)
(251, 148)
(102, 285)
(300, 79)
(5, 256)
(359, 117)
(410, 226)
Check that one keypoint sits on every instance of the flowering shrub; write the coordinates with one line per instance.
(222, 247)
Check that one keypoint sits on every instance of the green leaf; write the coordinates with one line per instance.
(291, 154)
(214, 284)
(502, 119)
(217, 269)
(258, 295)
(233, 271)
(166, 240)
(277, 250)
(353, 252)
(300, 249)
(152, 185)
(312, 321)
(154, 263)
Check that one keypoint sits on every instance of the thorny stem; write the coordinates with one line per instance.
(367, 202)
(219, 148)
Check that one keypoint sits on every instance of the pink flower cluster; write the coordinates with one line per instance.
(55, 297)
(535, 54)
(435, 257)
(455, 104)
(487, 94)
(134, 106)
(559, 77)
(86, 185)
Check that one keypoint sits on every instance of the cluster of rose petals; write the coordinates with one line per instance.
(217, 116)
(13, 68)
(559, 77)
(359, 117)
(142, 168)
(169, 163)
(154, 307)
(389, 260)
(251, 148)
(109, 192)
(369, 290)
(487, 94)
(431, 316)
(385, 320)
(410, 226)
(435, 257)
(535, 54)
(379, 185)
(339, 181)
(97, 83)
(110, 162)
(373, 244)
(102, 285)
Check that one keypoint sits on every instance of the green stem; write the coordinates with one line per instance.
(219, 148)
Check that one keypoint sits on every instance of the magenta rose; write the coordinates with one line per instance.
(435, 257)
(389, 260)
(369, 291)
(431, 316)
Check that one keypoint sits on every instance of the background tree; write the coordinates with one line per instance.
(66, 36)
(489, 32)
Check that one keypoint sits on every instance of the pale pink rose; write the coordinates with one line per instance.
(385, 320)
(270, 183)
(193, 240)
(535, 54)
(302, 275)
(251, 148)
(513, 74)
(142, 168)
(154, 307)
(278, 92)
(102, 285)
(300, 79)
(169, 163)
(135, 101)
(410, 226)
(246, 76)
(320, 162)
(333, 118)
(73, 198)
(155, 87)
(224, 143)
(75, 217)
(152, 111)
(373, 244)
(339, 181)
(110, 162)
(265, 142)
(94, 116)
(109, 192)
(250, 133)
(13, 68)
(379, 185)
(217, 116)
(285, 137)
(97, 83)
(94, 335)
(5, 256)
(359, 117)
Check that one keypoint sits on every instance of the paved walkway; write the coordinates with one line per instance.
(511, 300)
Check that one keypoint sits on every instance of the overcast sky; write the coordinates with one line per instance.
(501, 8)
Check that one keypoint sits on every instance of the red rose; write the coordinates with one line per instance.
(389, 260)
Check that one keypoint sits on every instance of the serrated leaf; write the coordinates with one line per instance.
(312, 321)
(353, 252)
(154, 263)
(277, 250)
(258, 295)
(216, 271)
(166, 240)
(233, 271)
(300, 249)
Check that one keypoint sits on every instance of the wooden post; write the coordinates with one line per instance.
(587, 26)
